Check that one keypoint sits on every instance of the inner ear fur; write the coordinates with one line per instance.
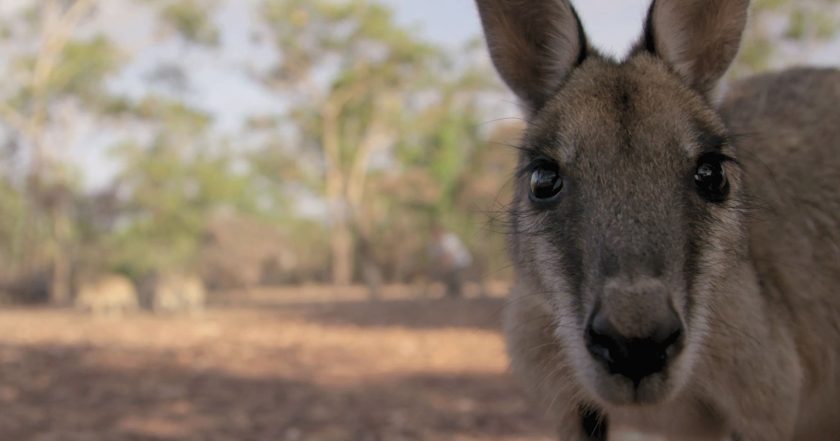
(534, 45)
(699, 39)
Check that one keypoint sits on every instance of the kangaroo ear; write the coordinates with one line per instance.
(698, 38)
(534, 45)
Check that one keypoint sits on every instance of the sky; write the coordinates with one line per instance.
(611, 24)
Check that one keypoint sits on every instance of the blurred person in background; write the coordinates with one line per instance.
(451, 259)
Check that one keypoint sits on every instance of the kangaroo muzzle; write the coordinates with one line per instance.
(634, 331)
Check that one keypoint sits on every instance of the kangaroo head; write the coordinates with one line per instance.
(627, 210)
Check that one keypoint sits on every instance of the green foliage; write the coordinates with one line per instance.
(11, 224)
(176, 117)
(358, 34)
(79, 72)
(171, 194)
(83, 66)
(803, 23)
(172, 189)
(190, 19)
(755, 56)
(418, 104)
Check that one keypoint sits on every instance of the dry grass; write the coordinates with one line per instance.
(281, 365)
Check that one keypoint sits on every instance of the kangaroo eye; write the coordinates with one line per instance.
(546, 182)
(710, 178)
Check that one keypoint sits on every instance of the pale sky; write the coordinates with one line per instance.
(611, 24)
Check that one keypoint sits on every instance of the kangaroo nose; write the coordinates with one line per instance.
(634, 358)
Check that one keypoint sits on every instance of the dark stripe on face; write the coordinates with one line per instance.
(697, 217)
(566, 238)
(692, 254)
(623, 95)
(513, 231)
(558, 227)
(700, 227)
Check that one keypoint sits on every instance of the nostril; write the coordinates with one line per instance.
(672, 344)
(635, 358)
(673, 339)
(603, 341)
(599, 346)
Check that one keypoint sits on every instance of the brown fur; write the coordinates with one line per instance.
(754, 278)
(714, 35)
(551, 39)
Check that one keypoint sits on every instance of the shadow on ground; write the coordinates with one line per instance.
(478, 313)
(71, 393)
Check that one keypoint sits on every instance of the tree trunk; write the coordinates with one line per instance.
(342, 253)
(345, 185)
(60, 281)
(341, 239)
(61, 277)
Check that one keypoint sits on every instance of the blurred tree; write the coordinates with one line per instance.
(12, 207)
(57, 70)
(782, 32)
(170, 190)
(376, 127)
(59, 73)
(359, 85)
(191, 20)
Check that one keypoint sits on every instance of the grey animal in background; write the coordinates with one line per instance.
(678, 261)
(174, 294)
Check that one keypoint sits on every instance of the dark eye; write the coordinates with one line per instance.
(546, 182)
(710, 178)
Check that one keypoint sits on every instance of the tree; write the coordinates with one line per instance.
(385, 85)
(171, 190)
(189, 18)
(59, 72)
(782, 32)
(376, 124)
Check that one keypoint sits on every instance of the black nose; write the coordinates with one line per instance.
(634, 358)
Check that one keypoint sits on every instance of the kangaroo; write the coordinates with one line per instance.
(109, 294)
(677, 260)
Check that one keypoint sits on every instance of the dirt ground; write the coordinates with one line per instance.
(286, 365)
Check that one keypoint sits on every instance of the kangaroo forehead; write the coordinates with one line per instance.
(637, 106)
